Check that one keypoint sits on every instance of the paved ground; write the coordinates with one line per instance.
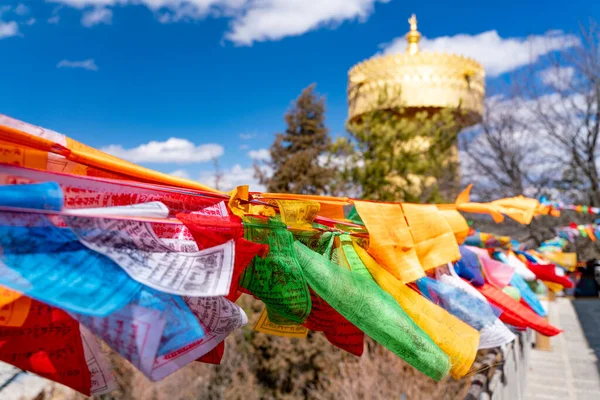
(571, 370)
(16, 384)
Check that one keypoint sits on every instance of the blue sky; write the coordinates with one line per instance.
(216, 76)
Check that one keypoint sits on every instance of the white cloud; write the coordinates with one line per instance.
(231, 178)
(30, 21)
(246, 136)
(250, 20)
(498, 55)
(98, 15)
(88, 64)
(21, 9)
(244, 147)
(173, 150)
(260, 155)
(8, 29)
(180, 173)
(558, 78)
(54, 20)
(275, 19)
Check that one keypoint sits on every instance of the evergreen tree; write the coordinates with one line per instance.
(299, 156)
(399, 156)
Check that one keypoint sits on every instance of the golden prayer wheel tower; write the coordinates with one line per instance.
(426, 81)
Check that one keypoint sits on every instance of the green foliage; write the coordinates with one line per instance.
(298, 156)
(397, 156)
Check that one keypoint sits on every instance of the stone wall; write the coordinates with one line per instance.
(503, 371)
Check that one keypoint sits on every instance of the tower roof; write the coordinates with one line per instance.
(417, 80)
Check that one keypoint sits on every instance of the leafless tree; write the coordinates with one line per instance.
(564, 106)
(218, 172)
(543, 136)
(502, 156)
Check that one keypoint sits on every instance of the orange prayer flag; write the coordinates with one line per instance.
(14, 307)
(390, 240)
(520, 208)
(32, 137)
(464, 204)
(590, 231)
(434, 240)
(457, 223)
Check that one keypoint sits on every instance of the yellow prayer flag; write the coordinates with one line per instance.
(297, 214)
(331, 207)
(567, 260)
(390, 240)
(457, 339)
(239, 205)
(265, 326)
(553, 286)
(434, 240)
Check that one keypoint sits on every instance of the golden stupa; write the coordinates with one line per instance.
(425, 81)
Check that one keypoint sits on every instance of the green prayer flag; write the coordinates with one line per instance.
(362, 302)
(277, 280)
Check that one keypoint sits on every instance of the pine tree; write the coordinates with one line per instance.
(299, 155)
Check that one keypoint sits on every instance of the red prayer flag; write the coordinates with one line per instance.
(515, 313)
(48, 344)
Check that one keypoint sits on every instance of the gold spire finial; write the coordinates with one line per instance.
(413, 23)
(413, 36)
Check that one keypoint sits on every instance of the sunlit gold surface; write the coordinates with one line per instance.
(424, 80)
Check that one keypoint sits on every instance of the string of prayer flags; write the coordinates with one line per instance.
(80, 192)
(94, 246)
(560, 206)
(572, 231)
